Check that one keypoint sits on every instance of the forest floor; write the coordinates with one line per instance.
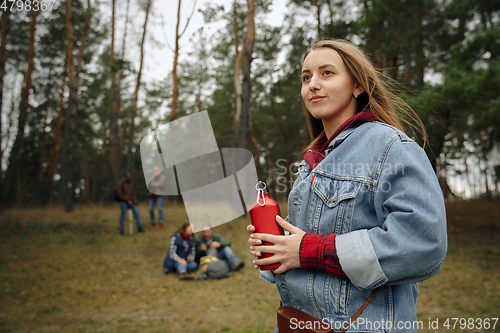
(73, 272)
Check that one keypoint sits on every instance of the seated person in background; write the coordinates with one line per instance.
(211, 243)
(181, 253)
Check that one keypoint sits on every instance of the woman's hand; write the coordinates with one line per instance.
(181, 261)
(285, 248)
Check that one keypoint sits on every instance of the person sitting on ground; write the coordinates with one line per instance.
(181, 253)
(211, 243)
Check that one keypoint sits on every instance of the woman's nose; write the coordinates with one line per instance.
(314, 83)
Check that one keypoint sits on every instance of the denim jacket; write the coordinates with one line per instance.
(377, 191)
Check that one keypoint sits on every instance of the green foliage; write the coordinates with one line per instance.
(443, 55)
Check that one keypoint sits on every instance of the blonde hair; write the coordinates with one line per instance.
(377, 97)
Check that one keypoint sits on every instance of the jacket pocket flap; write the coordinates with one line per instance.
(333, 191)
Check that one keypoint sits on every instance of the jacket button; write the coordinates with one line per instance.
(333, 197)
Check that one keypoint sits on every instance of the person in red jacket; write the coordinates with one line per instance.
(158, 183)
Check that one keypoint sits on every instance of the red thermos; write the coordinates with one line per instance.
(263, 216)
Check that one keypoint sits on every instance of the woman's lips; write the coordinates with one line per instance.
(316, 99)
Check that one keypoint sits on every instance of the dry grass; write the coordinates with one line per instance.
(468, 284)
(73, 273)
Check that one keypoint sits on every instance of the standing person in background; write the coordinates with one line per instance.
(181, 253)
(127, 199)
(366, 215)
(157, 184)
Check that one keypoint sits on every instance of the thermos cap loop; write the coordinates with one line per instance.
(260, 187)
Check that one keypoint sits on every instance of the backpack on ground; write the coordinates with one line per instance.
(213, 268)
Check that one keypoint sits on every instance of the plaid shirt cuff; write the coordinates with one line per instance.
(318, 253)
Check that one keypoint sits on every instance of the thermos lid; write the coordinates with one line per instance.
(261, 187)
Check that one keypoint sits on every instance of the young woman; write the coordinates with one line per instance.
(180, 256)
(366, 210)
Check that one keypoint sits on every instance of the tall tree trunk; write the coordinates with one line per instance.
(44, 136)
(120, 76)
(435, 147)
(136, 93)
(70, 125)
(4, 27)
(318, 16)
(394, 68)
(330, 10)
(51, 169)
(238, 57)
(115, 142)
(71, 130)
(420, 49)
(23, 111)
(467, 184)
(175, 95)
(484, 155)
(407, 73)
(122, 56)
(244, 89)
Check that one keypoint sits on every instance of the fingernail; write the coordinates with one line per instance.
(253, 261)
(259, 242)
(251, 248)
(251, 236)
(278, 218)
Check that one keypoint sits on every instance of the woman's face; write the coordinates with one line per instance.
(189, 230)
(328, 88)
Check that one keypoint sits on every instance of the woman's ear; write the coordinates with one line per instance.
(358, 90)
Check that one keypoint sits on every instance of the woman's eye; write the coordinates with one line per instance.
(328, 72)
(306, 78)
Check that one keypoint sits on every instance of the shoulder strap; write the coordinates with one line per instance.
(361, 309)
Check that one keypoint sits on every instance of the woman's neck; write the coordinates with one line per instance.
(331, 125)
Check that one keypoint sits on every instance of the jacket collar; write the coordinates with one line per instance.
(341, 137)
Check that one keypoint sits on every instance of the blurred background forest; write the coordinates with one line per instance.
(74, 106)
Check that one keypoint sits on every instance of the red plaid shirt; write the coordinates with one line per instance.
(318, 253)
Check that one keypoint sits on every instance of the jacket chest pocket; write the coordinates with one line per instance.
(335, 204)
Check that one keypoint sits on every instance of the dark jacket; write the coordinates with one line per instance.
(215, 238)
(125, 191)
(178, 248)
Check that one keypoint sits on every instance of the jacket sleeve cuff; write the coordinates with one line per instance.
(359, 260)
(317, 252)
(268, 276)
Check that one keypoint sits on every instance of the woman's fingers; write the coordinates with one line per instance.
(253, 241)
(263, 248)
(267, 237)
(266, 261)
(256, 253)
(287, 225)
(250, 228)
